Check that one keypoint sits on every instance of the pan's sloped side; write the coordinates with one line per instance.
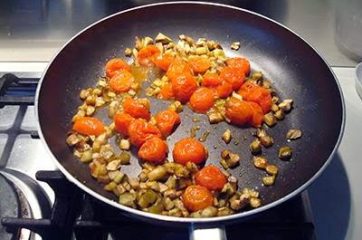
(295, 69)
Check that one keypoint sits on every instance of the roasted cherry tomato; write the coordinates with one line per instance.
(258, 115)
(199, 64)
(210, 79)
(121, 82)
(197, 197)
(88, 126)
(202, 99)
(247, 87)
(178, 67)
(241, 63)
(154, 150)
(224, 89)
(238, 112)
(146, 55)
(183, 86)
(262, 97)
(189, 150)
(122, 122)
(232, 75)
(167, 121)
(166, 92)
(255, 93)
(211, 177)
(114, 65)
(137, 108)
(140, 131)
(163, 61)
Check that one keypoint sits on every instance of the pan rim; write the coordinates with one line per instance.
(140, 214)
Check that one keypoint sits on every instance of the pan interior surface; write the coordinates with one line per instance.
(295, 69)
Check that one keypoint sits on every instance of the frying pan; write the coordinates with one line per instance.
(296, 70)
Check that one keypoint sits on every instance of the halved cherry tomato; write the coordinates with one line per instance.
(166, 92)
(246, 88)
(255, 93)
(197, 197)
(189, 150)
(88, 126)
(242, 63)
(146, 54)
(224, 89)
(258, 115)
(163, 61)
(211, 79)
(211, 177)
(183, 86)
(167, 121)
(114, 65)
(202, 99)
(140, 131)
(122, 122)
(199, 64)
(154, 150)
(238, 112)
(121, 82)
(177, 67)
(232, 75)
(137, 108)
(262, 97)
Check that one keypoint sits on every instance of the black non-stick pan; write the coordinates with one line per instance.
(296, 70)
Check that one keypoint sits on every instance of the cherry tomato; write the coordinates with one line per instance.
(238, 112)
(255, 93)
(122, 122)
(183, 86)
(163, 61)
(258, 115)
(146, 55)
(154, 150)
(224, 89)
(202, 99)
(166, 92)
(121, 81)
(140, 131)
(211, 177)
(232, 75)
(137, 108)
(178, 67)
(114, 65)
(88, 126)
(167, 121)
(262, 97)
(189, 150)
(197, 197)
(247, 87)
(242, 63)
(211, 79)
(199, 64)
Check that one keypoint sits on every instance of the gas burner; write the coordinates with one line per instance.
(23, 198)
(9, 204)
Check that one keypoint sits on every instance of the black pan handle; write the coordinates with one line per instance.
(202, 233)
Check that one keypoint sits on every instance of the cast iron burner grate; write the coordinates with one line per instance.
(17, 91)
(76, 215)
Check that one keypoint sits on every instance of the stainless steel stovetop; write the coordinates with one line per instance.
(335, 197)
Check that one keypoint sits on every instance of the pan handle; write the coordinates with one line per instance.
(202, 233)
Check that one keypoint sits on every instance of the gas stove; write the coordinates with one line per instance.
(37, 202)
